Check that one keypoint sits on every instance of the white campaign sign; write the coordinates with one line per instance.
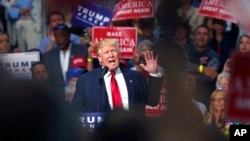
(18, 64)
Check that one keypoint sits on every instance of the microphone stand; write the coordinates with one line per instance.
(101, 79)
(99, 96)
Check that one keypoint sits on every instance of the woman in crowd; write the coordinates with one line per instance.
(244, 44)
(143, 47)
(222, 81)
(215, 116)
(137, 61)
(243, 47)
(5, 44)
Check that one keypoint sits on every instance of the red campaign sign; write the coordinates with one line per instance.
(133, 9)
(216, 9)
(127, 37)
(238, 104)
(161, 108)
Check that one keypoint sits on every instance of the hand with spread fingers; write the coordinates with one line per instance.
(151, 61)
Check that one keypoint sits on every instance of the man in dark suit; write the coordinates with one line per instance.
(94, 91)
(58, 59)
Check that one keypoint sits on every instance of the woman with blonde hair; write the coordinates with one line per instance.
(215, 116)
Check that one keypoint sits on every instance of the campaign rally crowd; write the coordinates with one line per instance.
(175, 86)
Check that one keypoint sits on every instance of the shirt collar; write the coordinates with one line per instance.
(117, 71)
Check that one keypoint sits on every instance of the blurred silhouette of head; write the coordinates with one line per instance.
(124, 126)
(29, 112)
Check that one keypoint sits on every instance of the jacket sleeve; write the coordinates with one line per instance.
(214, 62)
(154, 89)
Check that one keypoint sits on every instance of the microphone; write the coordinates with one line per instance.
(104, 71)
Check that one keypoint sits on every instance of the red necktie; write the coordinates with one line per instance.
(116, 96)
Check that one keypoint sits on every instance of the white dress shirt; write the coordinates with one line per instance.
(64, 61)
(122, 87)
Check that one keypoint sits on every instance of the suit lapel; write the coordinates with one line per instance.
(58, 65)
(104, 103)
(130, 87)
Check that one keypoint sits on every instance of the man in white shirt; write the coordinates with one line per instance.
(58, 59)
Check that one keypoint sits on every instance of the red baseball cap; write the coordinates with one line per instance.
(78, 61)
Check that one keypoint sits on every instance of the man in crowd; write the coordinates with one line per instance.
(117, 88)
(39, 73)
(58, 59)
(47, 43)
(204, 63)
(27, 24)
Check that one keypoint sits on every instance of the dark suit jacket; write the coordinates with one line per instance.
(52, 61)
(89, 90)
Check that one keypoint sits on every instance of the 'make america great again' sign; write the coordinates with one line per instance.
(133, 9)
(127, 37)
(216, 9)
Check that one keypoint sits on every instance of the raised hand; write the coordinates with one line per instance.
(151, 61)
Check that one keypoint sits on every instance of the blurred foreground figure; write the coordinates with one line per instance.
(124, 126)
(184, 117)
(30, 113)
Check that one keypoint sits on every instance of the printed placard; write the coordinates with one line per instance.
(238, 103)
(161, 108)
(127, 37)
(88, 15)
(91, 121)
(18, 64)
(216, 9)
(133, 9)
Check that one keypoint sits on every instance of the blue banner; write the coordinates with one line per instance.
(90, 121)
(88, 15)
